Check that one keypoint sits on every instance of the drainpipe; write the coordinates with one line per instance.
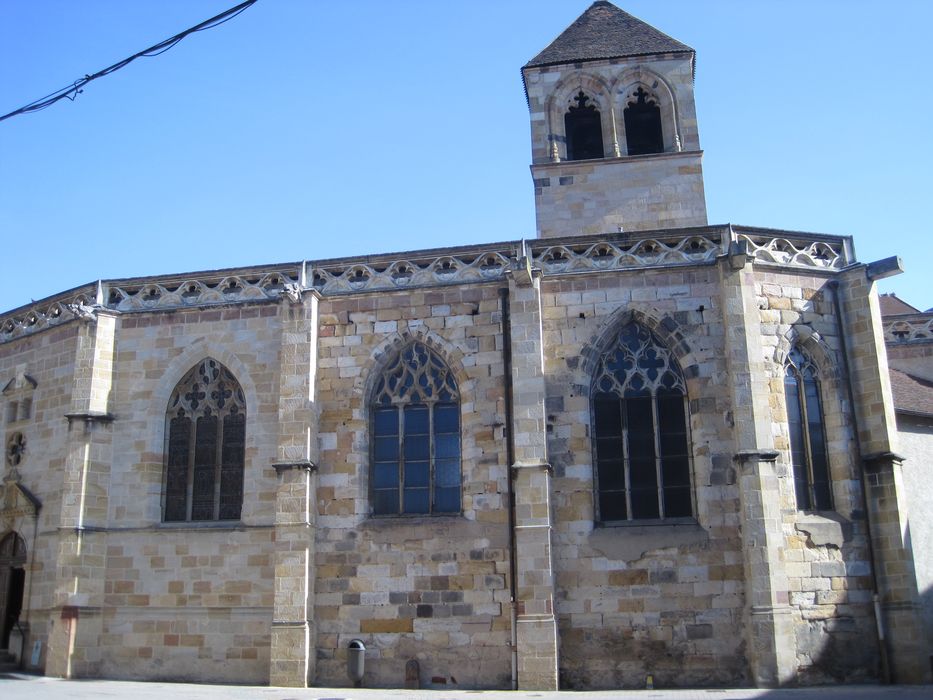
(510, 460)
(875, 597)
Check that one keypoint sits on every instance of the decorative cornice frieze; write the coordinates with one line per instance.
(913, 328)
(799, 250)
(206, 289)
(431, 268)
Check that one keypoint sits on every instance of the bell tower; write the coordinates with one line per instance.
(614, 133)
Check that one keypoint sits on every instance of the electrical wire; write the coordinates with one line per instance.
(72, 91)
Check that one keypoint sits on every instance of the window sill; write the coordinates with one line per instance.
(202, 525)
(824, 528)
(650, 524)
(409, 520)
(631, 540)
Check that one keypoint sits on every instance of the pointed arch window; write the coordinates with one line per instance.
(643, 125)
(807, 432)
(416, 436)
(584, 130)
(641, 431)
(205, 446)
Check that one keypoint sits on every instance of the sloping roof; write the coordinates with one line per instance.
(893, 306)
(604, 31)
(911, 394)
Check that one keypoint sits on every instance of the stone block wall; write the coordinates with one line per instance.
(635, 193)
(168, 601)
(185, 601)
(49, 359)
(826, 557)
(188, 604)
(637, 600)
(689, 603)
(432, 589)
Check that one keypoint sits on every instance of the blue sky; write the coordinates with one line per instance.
(310, 130)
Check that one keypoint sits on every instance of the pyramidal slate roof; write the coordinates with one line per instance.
(604, 31)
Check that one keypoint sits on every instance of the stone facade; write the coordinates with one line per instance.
(523, 584)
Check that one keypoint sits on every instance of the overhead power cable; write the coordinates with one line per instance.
(72, 91)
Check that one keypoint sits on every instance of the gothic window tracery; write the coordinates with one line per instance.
(18, 394)
(415, 414)
(640, 427)
(205, 446)
(583, 129)
(15, 449)
(808, 453)
(642, 117)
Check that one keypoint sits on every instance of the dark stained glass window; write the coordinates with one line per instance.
(807, 435)
(640, 432)
(205, 446)
(416, 436)
(584, 130)
(643, 125)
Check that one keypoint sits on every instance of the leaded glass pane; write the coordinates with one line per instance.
(385, 448)
(612, 506)
(231, 470)
(417, 474)
(640, 430)
(417, 448)
(446, 446)
(205, 466)
(423, 462)
(677, 502)
(417, 501)
(645, 504)
(447, 500)
(206, 482)
(608, 416)
(797, 441)
(385, 421)
(385, 475)
(446, 418)
(385, 501)
(808, 450)
(176, 476)
(447, 473)
(819, 465)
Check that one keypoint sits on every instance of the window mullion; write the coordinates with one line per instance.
(189, 486)
(805, 431)
(626, 460)
(218, 462)
(657, 454)
(401, 458)
(430, 457)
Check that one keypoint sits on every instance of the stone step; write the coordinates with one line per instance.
(7, 662)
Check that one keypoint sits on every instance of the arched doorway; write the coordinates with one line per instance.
(12, 584)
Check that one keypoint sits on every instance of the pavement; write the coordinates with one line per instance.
(26, 687)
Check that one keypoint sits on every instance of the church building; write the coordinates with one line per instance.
(637, 445)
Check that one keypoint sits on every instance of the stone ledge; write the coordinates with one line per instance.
(632, 542)
(824, 529)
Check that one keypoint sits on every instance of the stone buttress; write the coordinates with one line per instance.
(74, 649)
(293, 634)
(536, 630)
